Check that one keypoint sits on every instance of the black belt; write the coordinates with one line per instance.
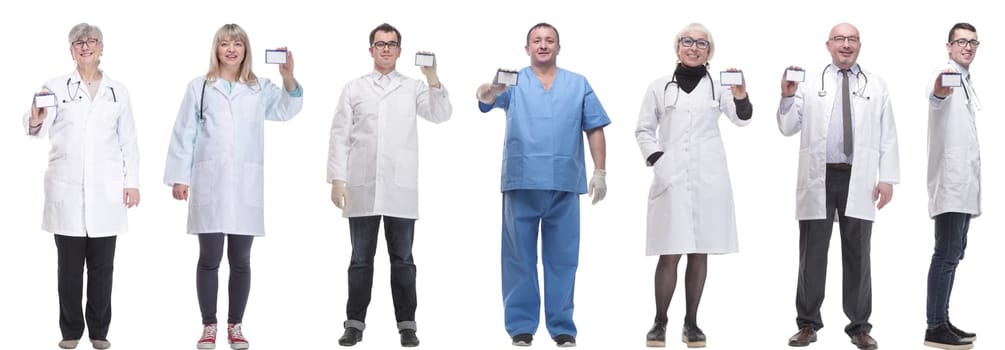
(839, 166)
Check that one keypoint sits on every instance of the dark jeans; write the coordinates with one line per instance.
(399, 232)
(207, 270)
(814, 241)
(99, 255)
(950, 242)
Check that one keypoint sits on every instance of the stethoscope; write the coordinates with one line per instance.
(75, 94)
(859, 88)
(202, 100)
(975, 102)
(673, 80)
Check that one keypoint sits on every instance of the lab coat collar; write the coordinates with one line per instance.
(240, 87)
(833, 69)
(375, 75)
(75, 77)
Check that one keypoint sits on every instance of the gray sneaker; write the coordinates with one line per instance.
(100, 344)
(68, 343)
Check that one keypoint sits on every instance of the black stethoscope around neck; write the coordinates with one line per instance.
(673, 80)
(859, 89)
(74, 94)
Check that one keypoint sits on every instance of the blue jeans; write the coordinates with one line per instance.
(950, 242)
(399, 232)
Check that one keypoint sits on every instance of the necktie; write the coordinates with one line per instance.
(846, 113)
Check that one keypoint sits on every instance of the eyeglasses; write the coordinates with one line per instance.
(688, 42)
(964, 42)
(390, 45)
(842, 38)
(89, 42)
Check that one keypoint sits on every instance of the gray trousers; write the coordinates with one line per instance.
(207, 281)
(814, 241)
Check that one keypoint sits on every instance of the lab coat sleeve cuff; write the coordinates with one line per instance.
(299, 92)
(131, 181)
(786, 104)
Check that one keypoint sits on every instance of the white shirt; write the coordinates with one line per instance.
(835, 131)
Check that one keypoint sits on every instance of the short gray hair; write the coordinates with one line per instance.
(84, 29)
(696, 27)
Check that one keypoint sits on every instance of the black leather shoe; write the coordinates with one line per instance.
(804, 337)
(351, 336)
(943, 337)
(657, 336)
(692, 336)
(864, 341)
(966, 336)
(408, 338)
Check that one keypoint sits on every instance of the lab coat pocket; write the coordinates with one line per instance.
(811, 170)
(205, 179)
(957, 166)
(406, 168)
(113, 189)
(253, 189)
(661, 177)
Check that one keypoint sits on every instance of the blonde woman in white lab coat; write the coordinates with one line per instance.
(690, 201)
(216, 155)
(91, 180)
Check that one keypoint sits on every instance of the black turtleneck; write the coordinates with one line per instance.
(688, 77)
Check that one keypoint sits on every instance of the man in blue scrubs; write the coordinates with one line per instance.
(543, 174)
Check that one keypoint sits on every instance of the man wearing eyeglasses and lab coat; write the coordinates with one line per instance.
(954, 179)
(848, 161)
(373, 169)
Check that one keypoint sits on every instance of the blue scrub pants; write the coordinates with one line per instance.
(556, 214)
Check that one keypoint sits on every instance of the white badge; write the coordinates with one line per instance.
(275, 56)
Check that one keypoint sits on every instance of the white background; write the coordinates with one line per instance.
(298, 293)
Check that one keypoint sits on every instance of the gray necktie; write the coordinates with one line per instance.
(846, 113)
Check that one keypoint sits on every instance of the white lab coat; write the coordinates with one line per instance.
(954, 159)
(221, 156)
(690, 200)
(875, 158)
(374, 145)
(93, 158)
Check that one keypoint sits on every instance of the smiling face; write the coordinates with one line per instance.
(844, 44)
(86, 50)
(962, 55)
(384, 59)
(542, 46)
(697, 53)
(230, 52)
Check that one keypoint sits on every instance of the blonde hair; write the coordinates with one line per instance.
(697, 27)
(232, 32)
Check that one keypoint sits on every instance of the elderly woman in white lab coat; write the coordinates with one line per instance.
(216, 154)
(91, 180)
(690, 201)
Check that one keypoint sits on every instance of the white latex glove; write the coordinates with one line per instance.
(339, 195)
(598, 186)
(432, 79)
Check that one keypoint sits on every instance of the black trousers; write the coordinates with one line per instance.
(814, 241)
(99, 255)
(399, 233)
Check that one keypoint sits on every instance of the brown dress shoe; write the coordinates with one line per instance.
(805, 336)
(864, 341)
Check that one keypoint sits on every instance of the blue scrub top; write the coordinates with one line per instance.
(543, 148)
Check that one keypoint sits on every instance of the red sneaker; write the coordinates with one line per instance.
(237, 341)
(208, 339)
